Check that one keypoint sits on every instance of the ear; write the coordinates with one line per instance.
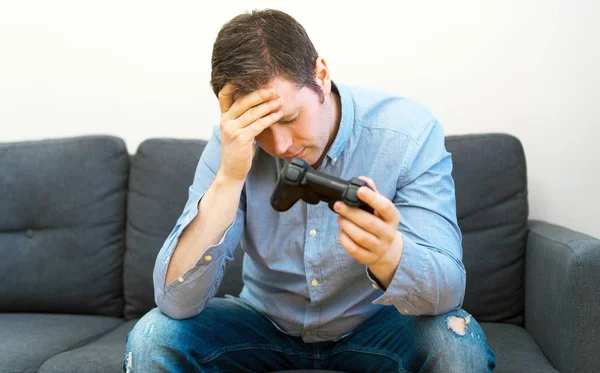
(322, 76)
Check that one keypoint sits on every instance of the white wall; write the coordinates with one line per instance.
(141, 69)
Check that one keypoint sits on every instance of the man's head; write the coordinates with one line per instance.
(271, 49)
(254, 48)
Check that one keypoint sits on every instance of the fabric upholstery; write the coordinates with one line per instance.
(103, 355)
(491, 199)
(516, 351)
(30, 339)
(62, 220)
(563, 295)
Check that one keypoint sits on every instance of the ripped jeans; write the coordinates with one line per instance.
(230, 336)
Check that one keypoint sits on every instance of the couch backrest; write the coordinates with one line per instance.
(62, 219)
(492, 209)
(491, 190)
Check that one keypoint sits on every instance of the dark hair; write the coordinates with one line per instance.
(254, 48)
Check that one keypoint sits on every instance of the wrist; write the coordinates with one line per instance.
(385, 268)
(223, 180)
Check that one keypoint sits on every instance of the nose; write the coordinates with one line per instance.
(281, 139)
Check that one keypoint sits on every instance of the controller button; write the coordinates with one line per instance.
(292, 175)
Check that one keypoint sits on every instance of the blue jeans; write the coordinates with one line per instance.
(230, 336)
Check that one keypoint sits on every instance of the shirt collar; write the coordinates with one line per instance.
(346, 122)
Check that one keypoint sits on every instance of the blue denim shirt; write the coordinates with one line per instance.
(295, 270)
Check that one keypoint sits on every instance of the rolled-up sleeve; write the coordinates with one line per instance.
(188, 295)
(430, 278)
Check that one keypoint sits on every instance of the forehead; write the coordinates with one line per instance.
(284, 87)
(289, 91)
(293, 96)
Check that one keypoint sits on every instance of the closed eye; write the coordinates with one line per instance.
(294, 113)
(288, 121)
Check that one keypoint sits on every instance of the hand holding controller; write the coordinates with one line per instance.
(300, 181)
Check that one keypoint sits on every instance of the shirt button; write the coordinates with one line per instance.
(314, 282)
(180, 279)
(405, 310)
(375, 286)
(208, 258)
(334, 160)
(307, 332)
(313, 232)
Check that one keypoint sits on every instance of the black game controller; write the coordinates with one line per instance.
(298, 181)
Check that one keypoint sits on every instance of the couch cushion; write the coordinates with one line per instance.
(515, 349)
(491, 198)
(31, 339)
(162, 170)
(62, 221)
(105, 355)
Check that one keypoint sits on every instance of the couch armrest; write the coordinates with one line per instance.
(562, 295)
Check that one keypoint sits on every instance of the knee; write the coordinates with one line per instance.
(153, 329)
(459, 344)
(148, 338)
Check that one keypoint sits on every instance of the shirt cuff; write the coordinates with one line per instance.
(374, 281)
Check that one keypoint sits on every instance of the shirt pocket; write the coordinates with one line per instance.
(348, 266)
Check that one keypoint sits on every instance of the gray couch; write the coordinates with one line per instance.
(81, 222)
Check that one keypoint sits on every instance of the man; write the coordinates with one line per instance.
(346, 290)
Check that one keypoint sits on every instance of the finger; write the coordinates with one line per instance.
(226, 97)
(369, 182)
(368, 222)
(259, 125)
(257, 112)
(364, 238)
(252, 99)
(382, 205)
(355, 250)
